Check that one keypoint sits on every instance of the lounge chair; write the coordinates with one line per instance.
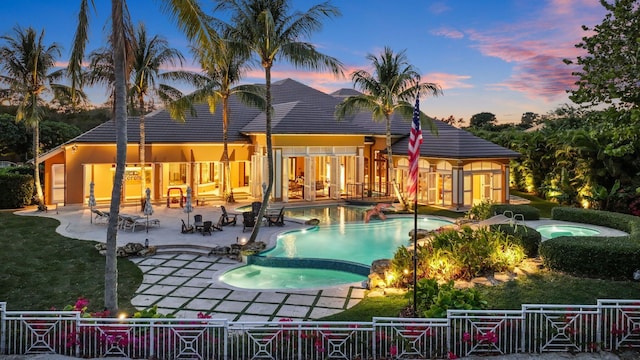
(187, 229)
(248, 220)
(101, 216)
(276, 218)
(226, 218)
(207, 227)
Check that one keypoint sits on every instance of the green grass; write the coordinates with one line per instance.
(40, 268)
(543, 205)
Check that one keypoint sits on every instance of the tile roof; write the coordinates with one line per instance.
(298, 109)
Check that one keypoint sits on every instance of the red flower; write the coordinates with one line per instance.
(451, 355)
(393, 350)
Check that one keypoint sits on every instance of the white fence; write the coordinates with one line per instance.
(609, 325)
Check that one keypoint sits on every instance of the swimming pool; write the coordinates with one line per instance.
(267, 277)
(554, 231)
(326, 248)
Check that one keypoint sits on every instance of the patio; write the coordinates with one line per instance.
(181, 279)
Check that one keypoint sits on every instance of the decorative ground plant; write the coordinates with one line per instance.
(458, 254)
(433, 299)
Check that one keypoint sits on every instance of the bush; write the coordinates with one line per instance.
(622, 222)
(527, 238)
(433, 300)
(464, 254)
(17, 190)
(529, 212)
(598, 257)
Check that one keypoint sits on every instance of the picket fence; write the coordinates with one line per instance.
(609, 325)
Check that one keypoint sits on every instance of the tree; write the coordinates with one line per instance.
(610, 72)
(223, 68)
(193, 22)
(26, 62)
(148, 56)
(269, 31)
(393, 86)
(451, 120)
(529, 119)
(483, 120)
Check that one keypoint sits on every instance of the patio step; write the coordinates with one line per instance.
(183, 249)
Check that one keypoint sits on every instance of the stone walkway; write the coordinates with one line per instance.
(184, 285)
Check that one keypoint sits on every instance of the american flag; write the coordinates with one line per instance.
(415, 139)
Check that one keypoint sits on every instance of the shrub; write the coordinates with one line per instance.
(481, 210)
(433, 300)
(599, 257)
(527, 238)
(17, 190)
(622, 222)
(464, 254)
(529, 212)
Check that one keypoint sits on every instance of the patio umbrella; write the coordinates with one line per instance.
(187, 204)
(148, 209)
(92, 200)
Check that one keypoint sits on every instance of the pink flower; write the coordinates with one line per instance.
(81, 304)
(451, 355)
(393, 350)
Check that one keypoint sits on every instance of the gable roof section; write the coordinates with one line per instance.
(454, 143)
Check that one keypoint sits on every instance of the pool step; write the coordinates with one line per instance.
(184, 249)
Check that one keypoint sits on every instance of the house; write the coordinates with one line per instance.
(315, 156)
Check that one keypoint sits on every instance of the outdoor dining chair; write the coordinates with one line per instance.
(207, 227)
(226, 218)
(248, 220)
(276, 218)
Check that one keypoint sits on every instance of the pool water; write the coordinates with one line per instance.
(554, 231)
(328, 215)
(265, 277)
(356, 242)
(344, 242)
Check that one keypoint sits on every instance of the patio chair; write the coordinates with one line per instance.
(207, 227)
(276, 218)
(226, 218)
(187, 229)
(101, 216)
(248, 220)
(255, 207)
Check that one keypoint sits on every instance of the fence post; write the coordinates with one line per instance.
(152, 339)
(78, 335)
(3, 327)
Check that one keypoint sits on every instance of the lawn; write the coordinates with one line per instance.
(41, 269)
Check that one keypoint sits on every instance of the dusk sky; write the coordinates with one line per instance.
(498, 56)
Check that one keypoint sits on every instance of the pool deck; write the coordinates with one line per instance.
(184, 283)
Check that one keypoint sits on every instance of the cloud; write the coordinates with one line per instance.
(438, 8)
(448, 81)
(448, 33)
(537, 47)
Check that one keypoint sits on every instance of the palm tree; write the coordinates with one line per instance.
(26, 63)
(194, 23)
(391, 87)
(270, 32)
(148, 56)
(223, 67)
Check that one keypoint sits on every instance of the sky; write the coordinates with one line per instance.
(498, 56)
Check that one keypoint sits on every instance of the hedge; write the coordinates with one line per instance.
(529, 212)
(594, 256)
(17, 190)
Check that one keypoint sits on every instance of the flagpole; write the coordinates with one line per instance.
(415, 251)
(415, 139)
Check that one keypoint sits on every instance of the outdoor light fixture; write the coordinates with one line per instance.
(146, 243)
(74, 148)
(241, 241)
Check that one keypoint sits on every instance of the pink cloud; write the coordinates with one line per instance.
(537, 47)
(448, 33)
(448, 81)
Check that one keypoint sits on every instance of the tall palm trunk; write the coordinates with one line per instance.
(227, 190)
(143, 147)
(120, 106)
(36, 163)
(267, 192)
(390, 169)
